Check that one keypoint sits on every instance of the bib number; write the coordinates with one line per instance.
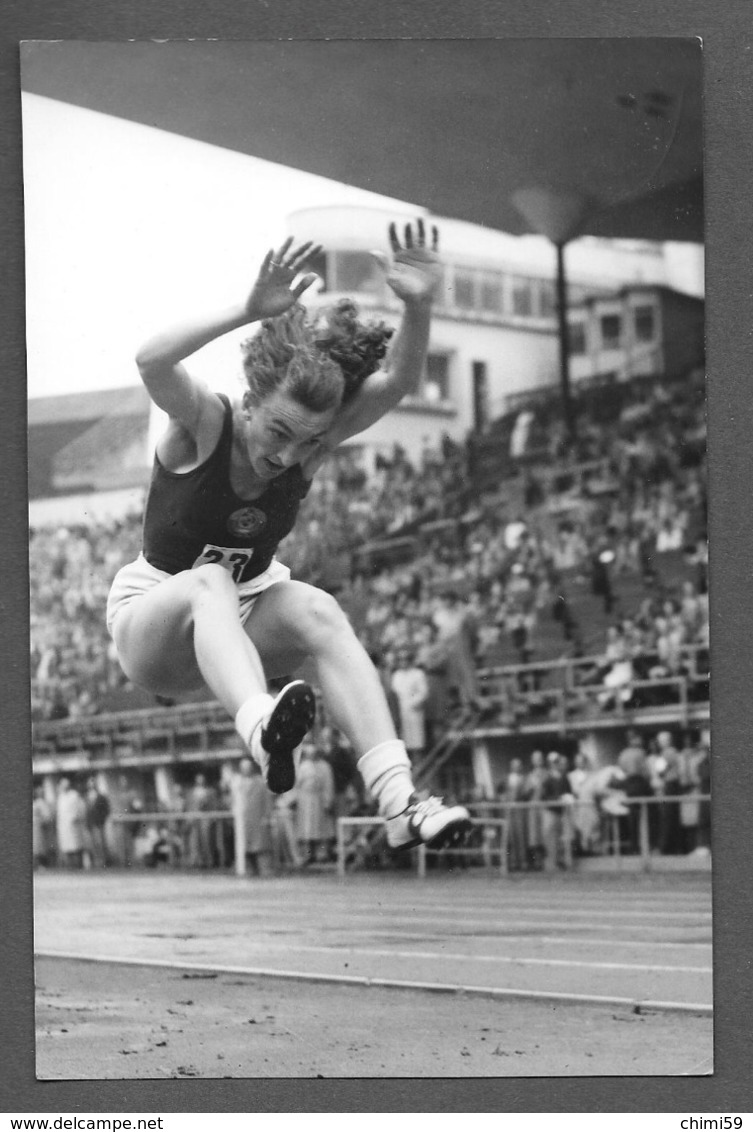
(229, 557)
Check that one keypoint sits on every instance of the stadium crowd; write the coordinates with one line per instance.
(464, 597)
(487, 576)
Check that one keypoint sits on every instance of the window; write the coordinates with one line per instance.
(437, 378)
(644, 324)
(576, 337)
(522, 298)
(611, 331)
(547, 299)
(463, 290)
(491, 292)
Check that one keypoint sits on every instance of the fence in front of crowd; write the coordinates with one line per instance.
(626, 830)
(486, 844)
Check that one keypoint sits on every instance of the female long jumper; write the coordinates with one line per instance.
(207, 602)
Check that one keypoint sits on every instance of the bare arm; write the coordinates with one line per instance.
(170, 385)
(414, 276)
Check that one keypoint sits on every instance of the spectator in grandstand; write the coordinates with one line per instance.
(42, 819)
(617, 671)
(70, 819)
(315, 800)
(201, 799)
(207, 601)
(456, 633)
(601, 577)
(432, 658)
(514, 533)
(411, 687)
(97, 813)
(252, 809)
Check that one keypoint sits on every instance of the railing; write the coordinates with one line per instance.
(623, 831)
(501, 835)
(492, 844)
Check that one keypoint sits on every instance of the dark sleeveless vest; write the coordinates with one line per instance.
(196, 517)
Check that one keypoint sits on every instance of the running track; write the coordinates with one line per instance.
(627, 939)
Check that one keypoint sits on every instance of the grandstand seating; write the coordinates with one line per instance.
(441, 539)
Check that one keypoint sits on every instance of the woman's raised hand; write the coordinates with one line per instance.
(272, 293)
(415, 271)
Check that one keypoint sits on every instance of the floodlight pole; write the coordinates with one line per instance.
(564, 344)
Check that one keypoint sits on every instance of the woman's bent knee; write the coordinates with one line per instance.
(320, 617)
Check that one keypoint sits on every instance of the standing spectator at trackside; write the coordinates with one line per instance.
(690, 810)
(97, 813)
(315, 796)
(585, 814)
(533, 785)
(411, 687)
(637, 784)
(42, 819)
(71, 825)
(126, 805)
(517, 821)
(251, 804)
(344, 776)
(287, 855)
(202, 799)
(656, 766)
(671, 834)
(555, 814)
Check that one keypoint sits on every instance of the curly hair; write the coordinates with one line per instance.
(284, 353)
(320, 365)
(357, 347)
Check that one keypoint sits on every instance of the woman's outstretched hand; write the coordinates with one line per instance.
(272, 293)
(415, 271)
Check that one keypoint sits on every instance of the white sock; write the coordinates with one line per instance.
(386, 772)
(249, 715)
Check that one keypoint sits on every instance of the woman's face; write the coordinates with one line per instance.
(280, 432)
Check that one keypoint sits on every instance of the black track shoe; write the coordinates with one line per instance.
(292, 715)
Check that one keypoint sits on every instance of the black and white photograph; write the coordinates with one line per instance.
(369, 570)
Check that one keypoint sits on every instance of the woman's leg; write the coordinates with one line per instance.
(293, 624)
(186, 630)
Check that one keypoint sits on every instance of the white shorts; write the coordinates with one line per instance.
(139, 577)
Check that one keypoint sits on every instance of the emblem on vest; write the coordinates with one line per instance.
(247, 522)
